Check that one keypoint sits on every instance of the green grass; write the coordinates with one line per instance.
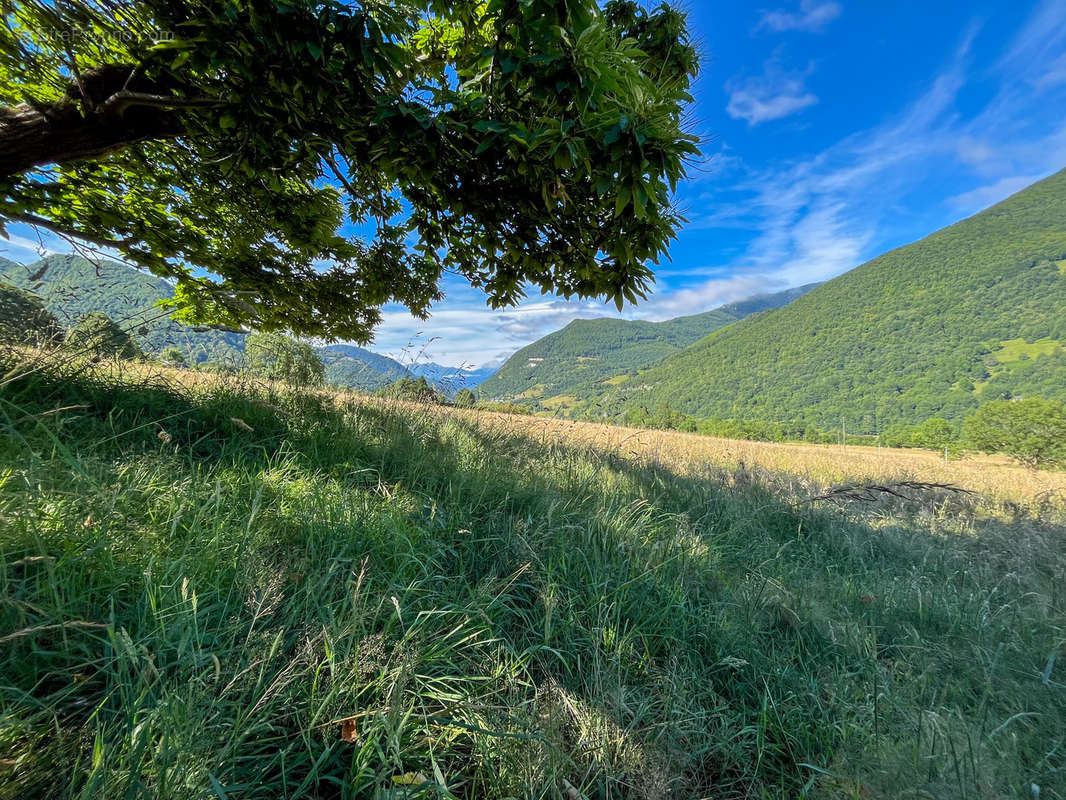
(192, 609)
(1012, 350)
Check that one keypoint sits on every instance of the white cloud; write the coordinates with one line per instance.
(812, 16)
(818, 217)
(1036, 54)
(23, 247)
(713, 293)
(474, 335)
(775, 94)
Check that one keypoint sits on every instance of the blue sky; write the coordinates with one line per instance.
(833, 131)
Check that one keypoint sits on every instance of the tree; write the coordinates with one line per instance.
(24, 319)
(281, 358)
(512, 143)
(465, 398)
(172, 355)
(97, 334)
(1032, 431)
(935, 433)
(415, 390)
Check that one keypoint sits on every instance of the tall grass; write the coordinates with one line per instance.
(222, 589)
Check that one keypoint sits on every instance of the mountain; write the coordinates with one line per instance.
(348, 365)
(451, 379)
(973, 312)
(590, 350)
(72, 286)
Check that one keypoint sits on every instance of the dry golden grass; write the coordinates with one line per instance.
(995, 478)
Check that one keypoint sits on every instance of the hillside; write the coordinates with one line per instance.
(349, 365)
(973, 312)
(214, 585)
(72, 286)
(452, 379)
(589, 350)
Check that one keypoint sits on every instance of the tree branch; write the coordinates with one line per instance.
(124, 98)
(48, 225)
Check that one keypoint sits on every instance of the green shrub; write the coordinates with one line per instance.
(97, 334)
(172, 355)
(282, 358)
(1032, 431)
(415, 390)
(24, 319)
(934, 434)
(465, 398)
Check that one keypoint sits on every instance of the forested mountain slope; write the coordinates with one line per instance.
(349, 365)
(971, 313)
(452, 379)
(589, 350)
(72, 286)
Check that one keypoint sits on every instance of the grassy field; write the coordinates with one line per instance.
(226, 589)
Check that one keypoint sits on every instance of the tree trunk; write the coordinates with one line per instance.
(107, 109)
(32, 137)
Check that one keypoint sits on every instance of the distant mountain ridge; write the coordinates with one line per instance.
(971, 313)
(451, 379)
(590, 350)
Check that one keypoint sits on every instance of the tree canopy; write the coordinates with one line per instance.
(321, 159)
(279, 357)
(1032, 431)
(415, 390)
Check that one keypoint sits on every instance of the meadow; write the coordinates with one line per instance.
(217, 587)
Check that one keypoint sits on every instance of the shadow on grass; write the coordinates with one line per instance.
(642, 632)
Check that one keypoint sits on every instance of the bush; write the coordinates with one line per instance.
(172, 355)
(1031, 431)
(415, 390)
(662, 418)
(24, 319)
(465, 398)
(935, 434)
(282, 358)
(97, 334)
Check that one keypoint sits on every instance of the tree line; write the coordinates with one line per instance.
(1032, 430)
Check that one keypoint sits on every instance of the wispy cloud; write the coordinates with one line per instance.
(813, 16)
(18, 247)
(818, 217)
(775, 94)
(1037, 54)
(711, 294)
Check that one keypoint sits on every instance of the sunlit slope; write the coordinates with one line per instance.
(589, 350)
(974, 312)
